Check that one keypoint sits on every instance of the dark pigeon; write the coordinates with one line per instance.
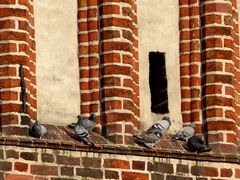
(81, 133)
(38, 130)
(196, 144)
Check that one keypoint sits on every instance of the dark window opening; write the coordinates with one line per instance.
(158, 83)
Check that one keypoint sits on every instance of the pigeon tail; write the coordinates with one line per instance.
(204, 148)
(140, 140)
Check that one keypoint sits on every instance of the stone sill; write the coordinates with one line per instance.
(60, 137)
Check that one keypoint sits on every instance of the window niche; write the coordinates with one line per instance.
(158, 83)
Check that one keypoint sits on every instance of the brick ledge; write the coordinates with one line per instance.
(59, 137)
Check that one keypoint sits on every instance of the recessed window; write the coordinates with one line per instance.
(158, 83)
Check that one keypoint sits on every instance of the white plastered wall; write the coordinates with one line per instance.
(158, 31)
(57, 73)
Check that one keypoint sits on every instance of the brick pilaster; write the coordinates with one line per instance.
(17, 47)
(119, 69)
(219, 74)
(108, 61)
(88, 38)
(190, 62)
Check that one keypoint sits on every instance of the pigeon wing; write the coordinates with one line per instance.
(148, 140)
(89, 125)
(44, 130)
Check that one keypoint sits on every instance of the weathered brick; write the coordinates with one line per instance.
(5, 166)
(114, 128)
(87, 26)
(18, 177)
(19, 166)
(156, 176)
(163, 167)
(67, 171)
(31, 156)
(68, 160)
(116, 163)
(134, 175)
(204, 171)
(109, 9)
(1, 154)
(47, 157)
(115, 117)
(116, 92)
(109, 174)
(86, 172)
(44, 170)
(220, 125)
(119, 22)
(226, 172)
(91, 162)
(12, 154)
(139, 165)
(237, 173)
(182, 168)
(118, 46)
(171, 177)
(217, 7)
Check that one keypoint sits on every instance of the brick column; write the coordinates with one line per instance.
(190, 62)
(17, 47)
(236, 60)
(220, 73)
(88, 38)
(119, 69)
(108, 61)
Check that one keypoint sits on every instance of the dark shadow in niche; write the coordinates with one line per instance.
(158, 83)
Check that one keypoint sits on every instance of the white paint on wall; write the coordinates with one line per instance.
(57, 62)
(159, 31)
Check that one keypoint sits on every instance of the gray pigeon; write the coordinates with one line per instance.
(81, 133)
(160, 127)
(197, 144)
(147, 140)
(88, 123)
(38, 130)
(185, 133)
(153, 135)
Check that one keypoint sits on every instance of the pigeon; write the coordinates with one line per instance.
(195, 143)
(88, 123)
(185, 133)
(81, 133)
(153, 135)
(147, 140)
(38, 130)
(160, 127)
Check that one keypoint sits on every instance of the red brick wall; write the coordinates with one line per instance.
(19, 163)
(108, 67)
(17, 47)
(108, 62)
(209, 55)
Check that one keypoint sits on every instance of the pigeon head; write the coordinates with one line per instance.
(166, 118)
(193, 124)
(92, 117)
(36, 123)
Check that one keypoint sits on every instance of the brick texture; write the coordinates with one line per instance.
(209, 71)
(108, 81)
(17, 47)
